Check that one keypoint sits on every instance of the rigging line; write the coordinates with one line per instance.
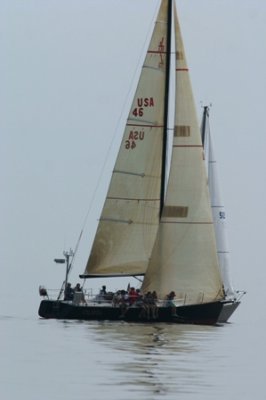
(75, 250)
(148, 36)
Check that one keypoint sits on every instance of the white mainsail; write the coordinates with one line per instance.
(219, 219)
(218, 209)
(184, 257)
(130, 216)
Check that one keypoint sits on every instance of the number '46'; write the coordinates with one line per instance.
(130, 145)
(138, 112)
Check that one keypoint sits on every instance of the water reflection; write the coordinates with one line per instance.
(159, 360)
(117, 361)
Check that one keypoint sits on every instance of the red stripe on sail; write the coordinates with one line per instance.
(129, 199)
(145, 126)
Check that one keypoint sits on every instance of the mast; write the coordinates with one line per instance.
(166, 101)
(204, 119)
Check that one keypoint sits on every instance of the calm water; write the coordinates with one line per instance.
(55, 360)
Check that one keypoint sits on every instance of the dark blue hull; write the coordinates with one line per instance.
(207, 313)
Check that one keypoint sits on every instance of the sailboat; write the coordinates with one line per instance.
(156, 224)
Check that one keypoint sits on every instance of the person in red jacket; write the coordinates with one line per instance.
(132, 295)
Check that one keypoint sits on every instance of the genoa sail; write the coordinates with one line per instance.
(184, 257)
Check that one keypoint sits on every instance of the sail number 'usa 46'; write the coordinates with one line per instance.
(141, 104)
(134, 135)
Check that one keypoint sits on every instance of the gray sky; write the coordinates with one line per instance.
(67, 70)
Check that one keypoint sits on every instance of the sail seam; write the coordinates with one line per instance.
(156, 52)
(186, 222)
(146, 126)
(187, 145)
(131, 199)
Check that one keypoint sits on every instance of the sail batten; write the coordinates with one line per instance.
(117, 220)
(129, 173)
